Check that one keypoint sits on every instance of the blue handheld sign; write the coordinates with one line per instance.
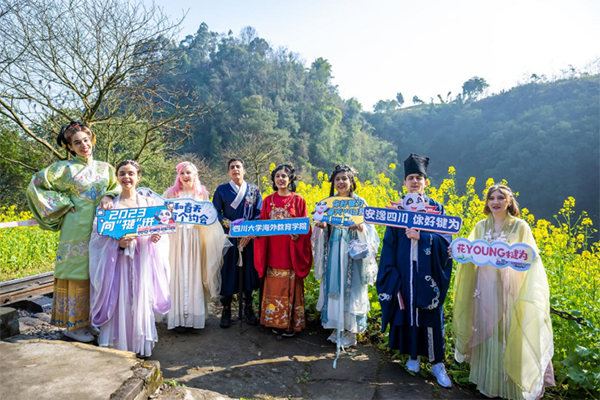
(408, 219)
(271, 227)
(117, 223)
(185, 210)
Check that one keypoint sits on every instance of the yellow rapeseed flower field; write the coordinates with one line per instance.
(24, 251)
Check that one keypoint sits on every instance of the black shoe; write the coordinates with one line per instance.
(226, 317)
(249, 316)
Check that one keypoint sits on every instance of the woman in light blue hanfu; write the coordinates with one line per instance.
(343, 295)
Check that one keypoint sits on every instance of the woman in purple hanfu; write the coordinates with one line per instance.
(129, 277)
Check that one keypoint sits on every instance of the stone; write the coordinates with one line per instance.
(43, 317)
(38, 304)
(9, 322)
(41, 304)
(36, 369)
(27, 323)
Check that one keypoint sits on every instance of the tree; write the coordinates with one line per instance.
(473, 88)
(257, 141)
(400, 99)
(417, 100)
(256, 89)
(385, 106)
(105, 62)
(320, 70)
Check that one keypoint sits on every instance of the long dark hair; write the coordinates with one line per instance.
(290, 171)
(343, 168)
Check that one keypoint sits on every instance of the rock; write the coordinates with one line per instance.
(40, 304)
(9, 322)
(27, 323)
(42, 316)
(39, 369)
(177, 393)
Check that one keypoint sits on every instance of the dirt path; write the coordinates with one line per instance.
(249, 362)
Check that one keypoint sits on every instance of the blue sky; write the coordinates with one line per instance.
(424, 48)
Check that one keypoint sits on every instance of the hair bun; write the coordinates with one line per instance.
(60, 139)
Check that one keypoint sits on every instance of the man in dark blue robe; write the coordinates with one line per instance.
(413, 278)
(234, 201)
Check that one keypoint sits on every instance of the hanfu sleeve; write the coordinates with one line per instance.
(48, 197)
(464, 287)
(216, 246)
(369, 268)
(258, 206)
(389, 279)
(301, 249)
(530, 346)
(220, 206)
(319, 241)
(113, 189)
(261, 246)
(104, 276)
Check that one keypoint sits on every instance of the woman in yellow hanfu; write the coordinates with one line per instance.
(501, 322)
(64, 197)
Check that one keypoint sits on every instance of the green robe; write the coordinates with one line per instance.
(54, 191)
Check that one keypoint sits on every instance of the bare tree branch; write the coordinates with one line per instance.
(101, 61)
(19, 163)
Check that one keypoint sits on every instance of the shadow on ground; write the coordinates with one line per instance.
(249, 362)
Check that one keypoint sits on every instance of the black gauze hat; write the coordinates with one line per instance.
(416, 164)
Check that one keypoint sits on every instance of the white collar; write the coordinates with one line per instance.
(241, 192)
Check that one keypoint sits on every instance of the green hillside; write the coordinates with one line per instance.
(543, 138)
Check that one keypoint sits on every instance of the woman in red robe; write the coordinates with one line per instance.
(283, 261)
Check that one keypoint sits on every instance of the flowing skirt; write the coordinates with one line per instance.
(343, 298)
(494, 299)
(71, 303)
(196, 259)
(121, 331)
(127, 288)
(283, 300)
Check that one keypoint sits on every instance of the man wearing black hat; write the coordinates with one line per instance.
(413, 278)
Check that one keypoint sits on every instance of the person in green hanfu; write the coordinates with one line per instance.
(501, 323)
(64, 197)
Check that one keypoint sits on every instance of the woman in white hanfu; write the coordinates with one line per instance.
(196, 257)
(129, 277)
